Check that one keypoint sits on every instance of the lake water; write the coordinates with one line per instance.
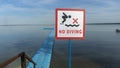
(100, 49)
(16, 39)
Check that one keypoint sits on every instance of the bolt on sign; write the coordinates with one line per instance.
(70, 23)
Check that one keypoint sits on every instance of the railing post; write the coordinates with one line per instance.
(34, 66)
(23, 60)
(23, 57)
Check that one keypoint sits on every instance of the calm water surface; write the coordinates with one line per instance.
(100, 49)
(16, 39)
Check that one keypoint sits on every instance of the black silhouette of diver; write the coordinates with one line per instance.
(65, 17)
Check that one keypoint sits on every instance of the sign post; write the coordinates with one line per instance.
(70, 24)
(69, 53)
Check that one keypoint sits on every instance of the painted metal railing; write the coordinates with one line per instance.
(23, 57)
(42, 57)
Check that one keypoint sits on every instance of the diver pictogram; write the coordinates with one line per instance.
(65, 17)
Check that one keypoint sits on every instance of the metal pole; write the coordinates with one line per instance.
(23, 61)
(69, 53)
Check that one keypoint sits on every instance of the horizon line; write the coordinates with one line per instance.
(54, 24)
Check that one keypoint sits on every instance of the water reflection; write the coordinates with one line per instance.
(16, 39)
(100, 49)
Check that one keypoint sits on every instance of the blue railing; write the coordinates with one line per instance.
(43, 55)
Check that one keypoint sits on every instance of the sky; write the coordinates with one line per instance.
(43, 11)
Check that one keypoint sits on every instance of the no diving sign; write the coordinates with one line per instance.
(70, 23)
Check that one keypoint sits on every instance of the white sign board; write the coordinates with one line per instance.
(70, 23)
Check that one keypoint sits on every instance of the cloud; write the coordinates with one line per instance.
(11, 14)
(107, 11)
(39, 11)
(35, 2)
(10, 9)
(7, 20)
